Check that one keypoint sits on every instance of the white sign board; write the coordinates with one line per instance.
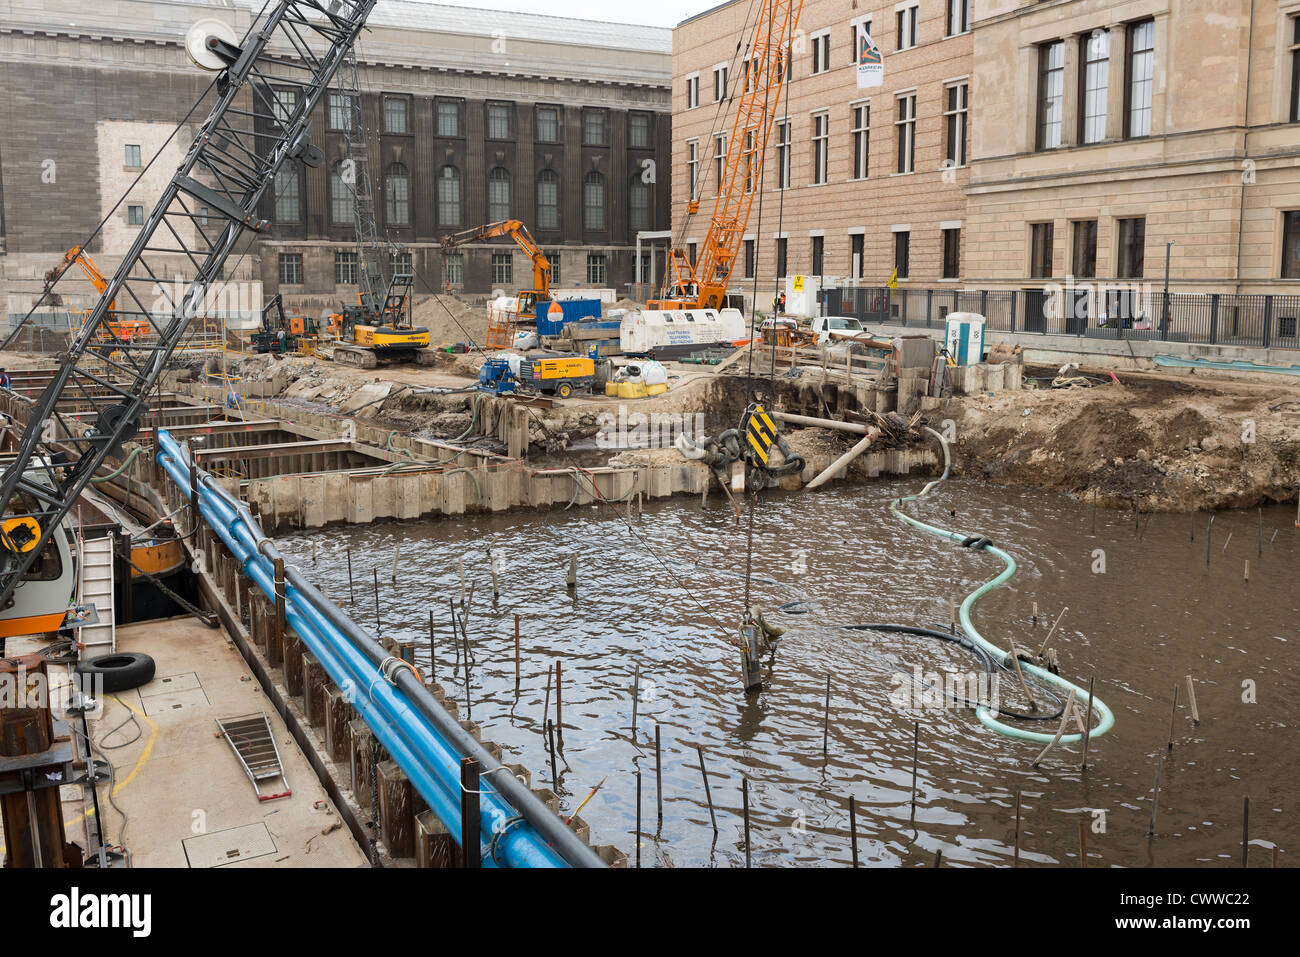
(871, 63)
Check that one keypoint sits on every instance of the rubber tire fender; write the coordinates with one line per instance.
(121, 671)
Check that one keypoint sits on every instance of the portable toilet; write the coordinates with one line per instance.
(965, 338)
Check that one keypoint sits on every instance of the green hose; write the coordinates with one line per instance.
(121, 468)
(388, 446)
(472, 419)
(397, 466)
(1106, 720)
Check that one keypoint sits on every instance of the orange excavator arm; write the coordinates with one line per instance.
(519, 233)
(76, 256)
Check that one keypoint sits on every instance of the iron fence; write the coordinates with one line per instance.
(1239, 319)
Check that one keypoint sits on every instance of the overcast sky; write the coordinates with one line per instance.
(661, 13)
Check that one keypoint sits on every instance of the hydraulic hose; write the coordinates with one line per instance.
(121, 468)
(420, 735)
(1106, 720)
(473, 419)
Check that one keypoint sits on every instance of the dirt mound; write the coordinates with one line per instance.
(449, 320)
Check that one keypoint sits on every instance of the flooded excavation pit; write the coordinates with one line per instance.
(636, 668)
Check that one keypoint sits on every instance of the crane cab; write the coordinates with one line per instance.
(43, 596)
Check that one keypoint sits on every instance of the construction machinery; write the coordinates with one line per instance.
(503, 323)
(378, 331)
(116, 329)
(702, 284)
(249, 134)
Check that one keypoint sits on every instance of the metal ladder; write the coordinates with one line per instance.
(254, 743)
(97, 589)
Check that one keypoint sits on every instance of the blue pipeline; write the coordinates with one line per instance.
(427, 758)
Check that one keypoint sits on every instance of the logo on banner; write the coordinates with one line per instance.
(871, 64)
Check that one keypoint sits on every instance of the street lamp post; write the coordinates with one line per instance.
(1164, 321)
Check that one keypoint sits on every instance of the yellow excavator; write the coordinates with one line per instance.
(503, 324)
(372, 332)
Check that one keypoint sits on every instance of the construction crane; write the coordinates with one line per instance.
(251, 131)
(703, 284)
(503, 324)
(118, 329)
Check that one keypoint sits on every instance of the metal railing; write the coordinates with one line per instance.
(1236, 319)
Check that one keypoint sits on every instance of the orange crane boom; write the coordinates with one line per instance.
(519, 233)
(703, 284)
(123, 329)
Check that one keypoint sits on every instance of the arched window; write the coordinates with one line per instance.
(593, 202)
(397, 187)
(638, 201)
(498, 194)
(342, 206)
(449, 196)
(548, 200)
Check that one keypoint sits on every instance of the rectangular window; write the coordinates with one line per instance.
(818, 255)
(820, 147)
(593, 127)
(135, 215)
(905, 127)
(951, 253)
(782, 155)
(690, 253)
(781, 248)
(285, 105)
(395, 115)
(1083, 258)
(288, 188)
(553, 257)
(1291, 244)
(638, 202)
(596, 269)
(456, 269)
(1040, 251)
(291, 269)
(719, 83)
(1295, 70)
(692, 91)
(548, 124)
(345, 268)
(638, 130)
(821, 53)
(858, 31)
(905, 25)
(747, 158)
(861, 140)
(1051, 91)
(749, 259)
(902, 253)
(342, 206)
(503, 269)
(498, 121)
(1132, 247)
(856, 249)
(719, 159)
(400, 264)
(133, 156)
(954, 120)
(1141, 69)
(340, 111)
(958, 21)
(693, 167)
(448, 118)
(1093, 86)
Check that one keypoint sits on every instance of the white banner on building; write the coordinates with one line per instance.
(871, 64)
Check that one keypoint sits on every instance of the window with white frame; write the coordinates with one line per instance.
(548, 199)
(905, 24)
(720, 82)
(291, 269)
(692, 91)
(1051, 93)
(638, 130)
(638, 200)
(747, 157)
(286, 102)
(693, 167)
(719, 159)
(1093, 89)
(905, 128)
(288, 194)
(593, 202)
(821, 52)
(133, 156)
(861, 140)
(498, 121)
(958, 21)
(548, 124)
(782, 154)
(395, 120)
(821, 125)
(455, 269)
(1141, 71)
(503, 269)
(859, 30)
(135, 215)
(954, 121)
(345, 268)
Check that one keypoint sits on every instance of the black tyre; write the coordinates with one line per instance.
(121, 671)
(565, 390)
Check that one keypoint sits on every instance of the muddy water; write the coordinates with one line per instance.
(662, 597)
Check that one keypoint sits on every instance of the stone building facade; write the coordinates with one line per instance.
(1050, 139)
(469, 116)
